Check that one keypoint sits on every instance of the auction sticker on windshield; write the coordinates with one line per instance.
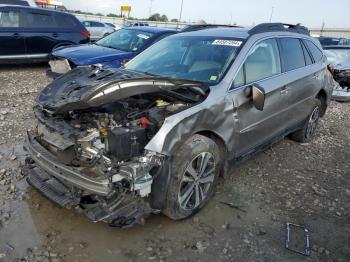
(227, 42)
(143, 36)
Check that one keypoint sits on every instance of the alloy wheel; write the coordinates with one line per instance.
(311, 126)
(196, 181)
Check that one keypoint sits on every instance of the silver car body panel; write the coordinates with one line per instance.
(230, 115)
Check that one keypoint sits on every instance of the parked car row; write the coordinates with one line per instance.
(98, 30)
(332, 41)
(154, 135)
(112, 51)
(29, 34)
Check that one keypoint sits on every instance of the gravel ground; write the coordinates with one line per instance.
(307, 184)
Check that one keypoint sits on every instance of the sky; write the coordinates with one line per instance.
(311, 13)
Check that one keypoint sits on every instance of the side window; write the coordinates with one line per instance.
(87, 24)
(307, 56)
(263, 61)
(292, 53)
(240, 78)
(9, 19)
(315, 51)
(65, 21)
(39, 20)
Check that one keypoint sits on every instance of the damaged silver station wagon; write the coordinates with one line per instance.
(154, 136)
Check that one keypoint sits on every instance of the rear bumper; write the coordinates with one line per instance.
(48, 163)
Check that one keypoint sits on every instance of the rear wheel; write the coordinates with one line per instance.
(306, 134)
(194, 174)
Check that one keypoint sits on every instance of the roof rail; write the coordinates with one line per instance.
(272, 27)
(189, 28)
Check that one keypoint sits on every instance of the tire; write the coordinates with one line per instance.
(307, 133)
(201, 183)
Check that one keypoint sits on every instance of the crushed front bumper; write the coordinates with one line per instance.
(67, 187)
(47, 162)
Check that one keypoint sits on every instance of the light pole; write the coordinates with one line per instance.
(182, 2)
(271, 13)
(150, 8)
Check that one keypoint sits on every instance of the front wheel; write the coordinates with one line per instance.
(194, 174)
(306, 134)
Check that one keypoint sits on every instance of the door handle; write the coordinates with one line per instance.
(16, 35)
(55, 35)
(284, 90)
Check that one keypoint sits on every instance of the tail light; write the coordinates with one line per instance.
(85, 33)
(330, 68)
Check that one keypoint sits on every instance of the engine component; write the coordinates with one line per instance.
(126, 142)
(137, 174)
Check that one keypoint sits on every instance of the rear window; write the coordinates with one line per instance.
(9, 19)
(39, 20)
(292, 53)
(65, 21)
(315, 51)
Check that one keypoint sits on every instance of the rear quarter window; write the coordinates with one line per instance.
(292, 53)
(308, 59)
(65, 21)
(315, 51)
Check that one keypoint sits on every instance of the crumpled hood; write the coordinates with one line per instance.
(90, 54)
(90, 86)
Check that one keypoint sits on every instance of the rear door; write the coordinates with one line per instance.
(11, 37)
(302, 80)
(261, 68)
(40, 33)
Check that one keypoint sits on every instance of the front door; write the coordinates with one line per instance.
(254, 127)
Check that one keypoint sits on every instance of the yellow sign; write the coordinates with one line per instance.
(125, 8)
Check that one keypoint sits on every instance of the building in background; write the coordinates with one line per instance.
(51, 4)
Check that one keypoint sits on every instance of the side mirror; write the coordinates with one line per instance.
(258, 97)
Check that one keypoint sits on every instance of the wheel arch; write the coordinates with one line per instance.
(221, 144)
(160, 184)
(323, 97)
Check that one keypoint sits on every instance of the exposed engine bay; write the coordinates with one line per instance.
(107, 137)
(98, 153)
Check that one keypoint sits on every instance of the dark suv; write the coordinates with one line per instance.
(155, 135)
(30, 34)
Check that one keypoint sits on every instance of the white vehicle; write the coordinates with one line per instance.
(97, 30)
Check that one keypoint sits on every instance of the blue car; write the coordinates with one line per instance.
(113, 50)
(29, 35)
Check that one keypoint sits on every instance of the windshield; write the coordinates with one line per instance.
(126, 40)
(196, 58)
(340, 58)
